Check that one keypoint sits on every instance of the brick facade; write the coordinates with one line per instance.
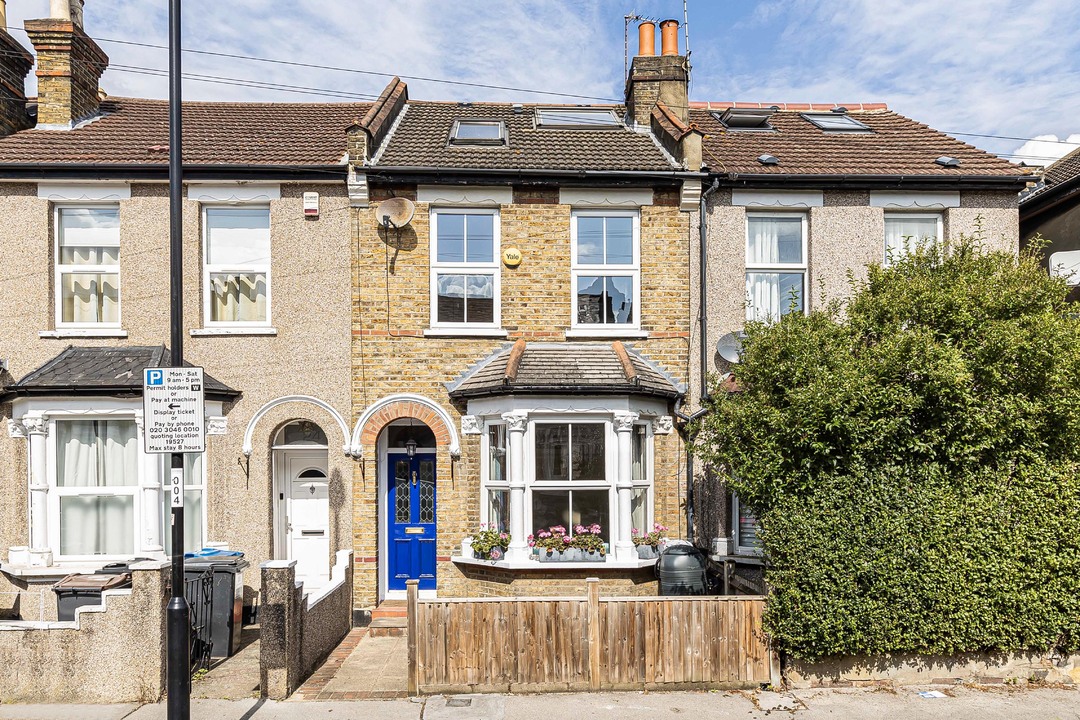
(15, 64)
(69, 66)
(391, 355)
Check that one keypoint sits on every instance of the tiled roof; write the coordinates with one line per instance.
(547, 368)
(895, 145)
(103, 371)
(1057, 173)
(136, 131)
(421, 139)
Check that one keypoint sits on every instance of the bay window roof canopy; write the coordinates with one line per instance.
(562, 368)
(103, 371)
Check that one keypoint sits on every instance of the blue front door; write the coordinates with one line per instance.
(410, 514)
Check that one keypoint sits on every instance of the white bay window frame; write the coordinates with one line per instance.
(618, 484)
(37, 419)
(62, 269)
(466, 268)
(605, 270)
(210, 269)
(778, 268)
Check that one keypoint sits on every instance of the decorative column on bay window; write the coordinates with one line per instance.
(516, 422)
(624, 484)
(151, 480)
(37, 430)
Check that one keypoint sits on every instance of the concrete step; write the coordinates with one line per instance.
(387, 627)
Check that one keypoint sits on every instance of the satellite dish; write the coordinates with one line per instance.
(729, 347)
(397, 212)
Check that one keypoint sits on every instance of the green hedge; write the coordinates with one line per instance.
(913, 459)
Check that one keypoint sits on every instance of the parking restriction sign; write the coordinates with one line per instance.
(174, 420)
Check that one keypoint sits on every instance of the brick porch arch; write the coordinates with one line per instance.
(393, 407)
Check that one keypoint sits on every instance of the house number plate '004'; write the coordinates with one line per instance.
(414, 531)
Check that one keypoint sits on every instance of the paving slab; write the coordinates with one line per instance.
(377, 665)
(67, 712)
(236, 677)
(273, 710)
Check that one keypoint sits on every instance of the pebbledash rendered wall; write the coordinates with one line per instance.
(391, 355)
(308, 355)
(845, 234)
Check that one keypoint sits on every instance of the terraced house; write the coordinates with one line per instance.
(804, 198)
(85, 287)
(520, 335)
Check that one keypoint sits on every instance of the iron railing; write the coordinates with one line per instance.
(199, 592)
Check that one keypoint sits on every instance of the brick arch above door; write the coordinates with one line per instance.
(393, 407)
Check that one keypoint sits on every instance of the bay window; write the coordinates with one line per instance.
(496, 480)
(97, 478)
(775, 265)
(465, 268)
(87, 272)
(904, 232)
(236, 266)
(605, 269)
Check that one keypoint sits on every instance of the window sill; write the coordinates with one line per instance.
(84, 333)
(629, 333)
(554, 566)
(465, 332)
(214, 331)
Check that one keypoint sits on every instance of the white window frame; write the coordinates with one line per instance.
(60, 269)
(939, 217)
(648, 483)
(208, 269)
(486, 483)
(492, 268)
(578, 269)
(57, 491)
(501, 140)
(785, 268)
(736, 534)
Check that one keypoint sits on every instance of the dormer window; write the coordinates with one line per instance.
(742, 119)
(836, 122)
(574, 118)
(478, 132)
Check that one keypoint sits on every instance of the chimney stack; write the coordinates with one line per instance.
(69, 66)
(658, 78)
(15, 64)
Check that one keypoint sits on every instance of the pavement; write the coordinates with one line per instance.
(959, 703)
(234, 678)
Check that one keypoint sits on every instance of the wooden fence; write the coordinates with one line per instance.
(590, 643)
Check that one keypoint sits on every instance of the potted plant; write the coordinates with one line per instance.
(588, 540)
(490, 543)
(549, 543)
(647, 543)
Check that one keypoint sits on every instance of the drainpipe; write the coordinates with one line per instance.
(703, 337)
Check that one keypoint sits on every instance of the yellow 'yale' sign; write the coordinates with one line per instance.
(511, 257)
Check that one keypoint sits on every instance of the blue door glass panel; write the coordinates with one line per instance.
(410, 497)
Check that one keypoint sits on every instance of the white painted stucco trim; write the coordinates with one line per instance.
(250, 431)
(84, 192)
(236, 192)
(778, 198)
(464, 195)
(916, 200)
(605, 197)
(357, 446)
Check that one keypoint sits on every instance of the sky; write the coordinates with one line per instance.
(985, 67)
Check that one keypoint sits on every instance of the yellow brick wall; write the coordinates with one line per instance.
(391, 355)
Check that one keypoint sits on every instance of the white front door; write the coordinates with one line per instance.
(307, 517)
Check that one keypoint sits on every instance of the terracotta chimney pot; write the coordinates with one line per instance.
(646, 33)
(669, 37)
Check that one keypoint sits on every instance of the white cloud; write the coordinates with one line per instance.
(1045, 149)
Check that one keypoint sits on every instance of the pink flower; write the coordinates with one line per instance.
(635, 531)
(544, 534)
(503, 536)
(566, 539)
(532, 543)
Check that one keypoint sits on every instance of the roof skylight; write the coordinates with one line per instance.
(478, 132)
(836, 122)
(746, 118)
(576, 118)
